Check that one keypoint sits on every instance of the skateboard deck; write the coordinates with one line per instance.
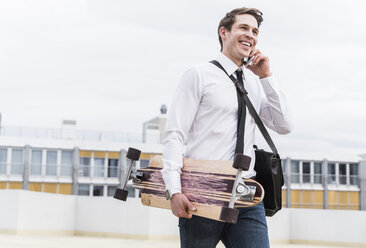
(207, 184)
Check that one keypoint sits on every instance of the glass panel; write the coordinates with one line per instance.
(295, 171)
(97, 190)
(342, 174)
(131, 190)
(51, 163)
(353, 171)
(111, 190)
(3, 159)
(99, 167)
(144, 163)
(84, 170)
(306, 172)
(17, 162)
(283, 163)
(36, 162)
(112, 167)
(66, 163)
(318, 173)
(331, 173)
(83, 189)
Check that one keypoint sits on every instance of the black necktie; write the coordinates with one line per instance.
(241, 113)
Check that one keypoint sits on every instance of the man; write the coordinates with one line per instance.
(204, 115)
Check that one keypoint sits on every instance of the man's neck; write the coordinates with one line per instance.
(237, 60)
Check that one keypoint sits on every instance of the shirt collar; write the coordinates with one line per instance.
(229, 66)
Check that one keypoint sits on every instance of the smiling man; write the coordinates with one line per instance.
(204, 115)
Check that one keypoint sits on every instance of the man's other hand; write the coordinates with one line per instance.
(180, 206)
(260, 64)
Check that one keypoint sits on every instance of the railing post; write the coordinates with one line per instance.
(325, 183)
(26, 167)
(362, 182)
(288, 178)
(75, 171)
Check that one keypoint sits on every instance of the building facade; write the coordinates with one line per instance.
(76, 164)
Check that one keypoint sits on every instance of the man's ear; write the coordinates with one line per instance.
(222, 32)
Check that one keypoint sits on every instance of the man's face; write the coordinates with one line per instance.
(242, 39)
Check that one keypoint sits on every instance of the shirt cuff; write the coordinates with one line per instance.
(172, 182)
(269, 85)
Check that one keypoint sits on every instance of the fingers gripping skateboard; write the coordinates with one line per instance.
(133, 155)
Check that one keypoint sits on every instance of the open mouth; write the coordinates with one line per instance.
(245, 43)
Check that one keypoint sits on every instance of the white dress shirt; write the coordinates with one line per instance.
(204, 116)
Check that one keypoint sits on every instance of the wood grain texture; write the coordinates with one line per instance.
(207, 184)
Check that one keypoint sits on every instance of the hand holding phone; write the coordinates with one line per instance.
(258, 64)
(248, 61)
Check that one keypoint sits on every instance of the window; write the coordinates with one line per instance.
(283, 163)
(97, 190)
(51, 163)
(295, 171)
(3, 159)
(84, 170)
(17, 162)
(112, 167)
(84, 189)
(342, 173)
(306, 172)
(131, 190)
(317, 173)
(144, 163)
(353, 171)
(36, 162)
(331, 173)
(111, 190)
(99, 167)
(66, 163)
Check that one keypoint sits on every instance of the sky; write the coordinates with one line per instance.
(111, 64)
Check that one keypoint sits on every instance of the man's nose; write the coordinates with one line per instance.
(249, 34)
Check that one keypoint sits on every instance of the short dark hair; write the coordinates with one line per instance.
(229, 19)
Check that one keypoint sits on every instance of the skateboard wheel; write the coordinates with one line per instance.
(133, 154)
(229, 215)
(241, 161)
(121, 194)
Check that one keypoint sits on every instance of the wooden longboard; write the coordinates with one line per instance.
(207, 184)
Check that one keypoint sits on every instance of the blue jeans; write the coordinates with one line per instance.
(249, 232)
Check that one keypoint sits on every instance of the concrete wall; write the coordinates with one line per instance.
(34, 212)
(129, 219)
(27, 211)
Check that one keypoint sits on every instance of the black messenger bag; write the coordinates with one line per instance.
(267, 164)
(270, 176)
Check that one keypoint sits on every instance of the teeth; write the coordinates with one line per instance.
(246, 44)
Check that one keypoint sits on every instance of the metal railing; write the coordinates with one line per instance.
(75, 134)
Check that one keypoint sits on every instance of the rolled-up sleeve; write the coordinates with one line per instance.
(181, 114)
(274, 110)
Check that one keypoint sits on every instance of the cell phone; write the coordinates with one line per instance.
(247, 61)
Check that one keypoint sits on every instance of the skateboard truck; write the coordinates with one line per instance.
(133, 155)
(240, 189)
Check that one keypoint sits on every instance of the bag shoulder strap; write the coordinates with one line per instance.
(251, 109)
